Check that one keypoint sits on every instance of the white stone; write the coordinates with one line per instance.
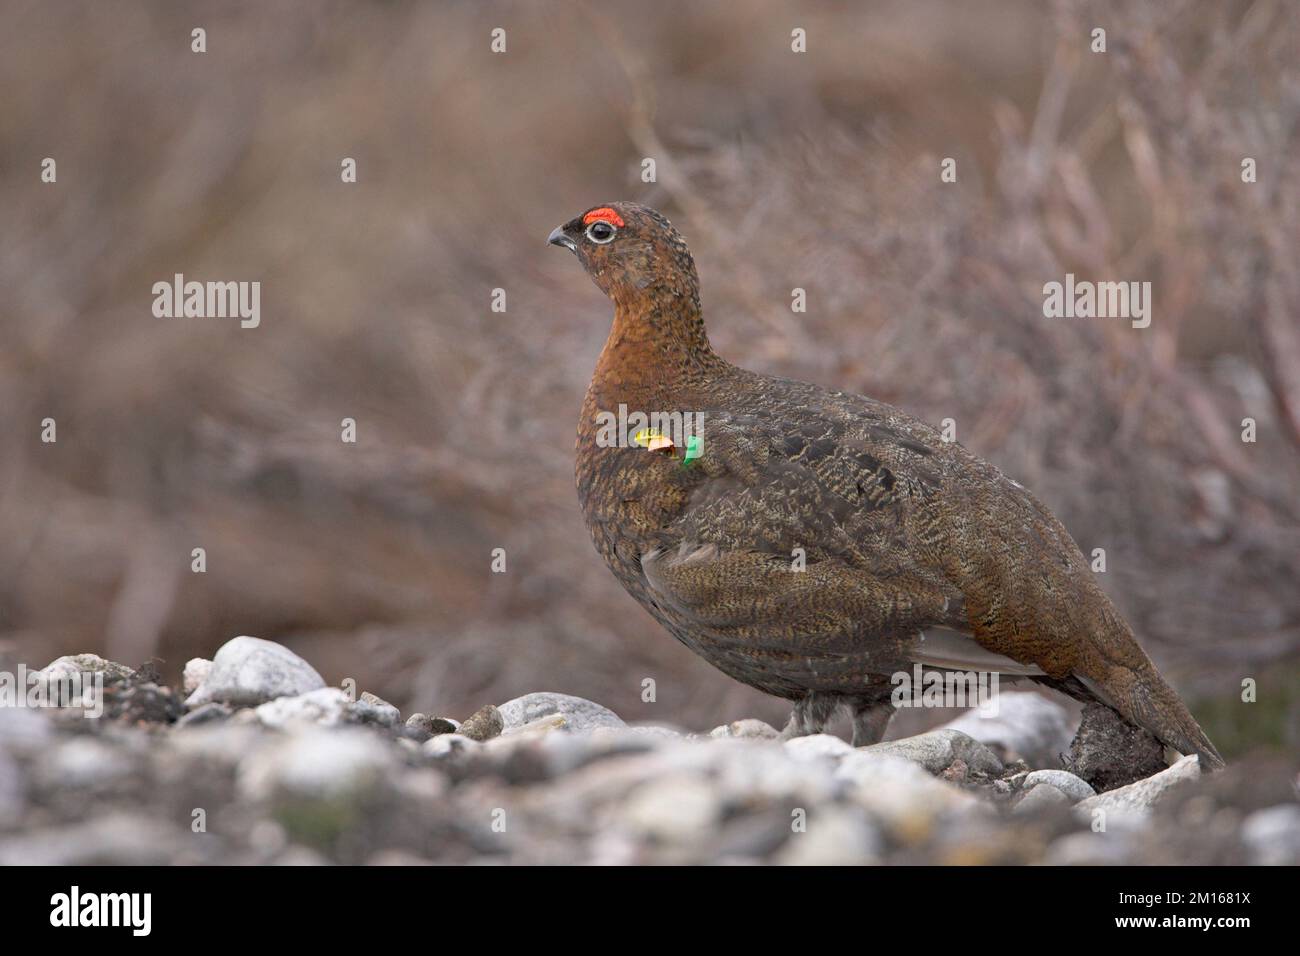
(247, 671)
(749, 727)
(326, 706)
(815, 746)
(196, 672)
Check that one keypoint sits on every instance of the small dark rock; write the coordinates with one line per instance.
(1109, 752)
(485, 724)
(148, 673)
(420, 727)
(136, 701)
(956, 772)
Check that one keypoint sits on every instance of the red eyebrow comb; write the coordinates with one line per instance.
(604, 212)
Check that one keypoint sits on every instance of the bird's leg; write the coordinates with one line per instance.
(870, 720)
(810, 715)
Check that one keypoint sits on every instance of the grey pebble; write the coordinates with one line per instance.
(205, 714)
(579, 713)
(1073, 787)
(370, 709)
(1040, 799)
(938, 749)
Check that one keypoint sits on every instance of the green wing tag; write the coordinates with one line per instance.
(694, 449)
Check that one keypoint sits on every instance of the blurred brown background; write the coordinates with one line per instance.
(817, 170)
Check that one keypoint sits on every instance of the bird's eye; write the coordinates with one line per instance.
(600, 232)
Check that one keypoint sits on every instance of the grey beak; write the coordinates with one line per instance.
(558, 238)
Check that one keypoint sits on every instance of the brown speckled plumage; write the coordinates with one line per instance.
(916, 550)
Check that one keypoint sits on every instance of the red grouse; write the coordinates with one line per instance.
(809, 542)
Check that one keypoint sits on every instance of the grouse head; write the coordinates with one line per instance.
(631, 252)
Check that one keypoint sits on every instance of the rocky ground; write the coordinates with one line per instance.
(255, 760)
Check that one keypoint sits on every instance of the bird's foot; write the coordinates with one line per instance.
(810, 715)
(870, 721)
(792, 729)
